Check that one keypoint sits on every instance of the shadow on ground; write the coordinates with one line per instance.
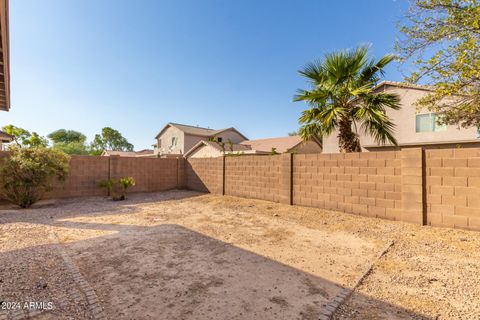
(165, 271)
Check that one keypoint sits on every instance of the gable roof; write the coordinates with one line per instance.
(197, 131)
(281, 145)
(235, 147)
(406, 85)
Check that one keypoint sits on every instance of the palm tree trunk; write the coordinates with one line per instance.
(347, 139)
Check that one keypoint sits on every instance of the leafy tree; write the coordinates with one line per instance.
(23, 138)
(67, 136)
(69, 141)
(27, 173)
(442, 40)
(110, 139)
(293, 133)
(72, 148)
(36, 141)
(341, 97)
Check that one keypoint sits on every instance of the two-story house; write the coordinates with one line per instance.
(176, 139)
(413, 128)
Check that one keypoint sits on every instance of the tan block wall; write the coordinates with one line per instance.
(204, 174)
(362, 183)
(150, 174)
(84, 175)
(453, 188)
(256, 177)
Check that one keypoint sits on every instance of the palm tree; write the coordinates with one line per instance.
(342, 97)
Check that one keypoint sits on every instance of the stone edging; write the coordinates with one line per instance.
(330, 309)
(84, 288)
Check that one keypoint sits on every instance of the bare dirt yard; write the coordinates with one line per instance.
(185, 255)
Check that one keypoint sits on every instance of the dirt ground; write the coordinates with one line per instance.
(185, 255)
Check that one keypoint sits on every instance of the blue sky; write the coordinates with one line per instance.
(136, 65)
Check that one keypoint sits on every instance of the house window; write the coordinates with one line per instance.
(219, 139)
(174, 142)
(428, 123)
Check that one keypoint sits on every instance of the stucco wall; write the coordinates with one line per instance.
(165, 140)
(307, 147)
(405, 131)
(232, 135)
(205, 152)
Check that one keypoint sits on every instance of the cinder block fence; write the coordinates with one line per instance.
(435, 187)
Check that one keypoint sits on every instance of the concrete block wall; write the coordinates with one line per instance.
(362, 183)
(453, 188)
(256, 177)
(205, 174)
(84, 174)
(150, 174)
(436, 187)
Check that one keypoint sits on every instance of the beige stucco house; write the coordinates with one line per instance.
(414, 128)
(176, 139)
(291, 144)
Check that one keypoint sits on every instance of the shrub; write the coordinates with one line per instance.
(27, 173)
(125, 183)
(111, 185)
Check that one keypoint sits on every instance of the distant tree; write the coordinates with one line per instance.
(66, 136)
(69, 141)
(72, 148)
(341, 96)
(23, 137)
(110, 139)
(36, 141)
(442, 40)
(293, 133)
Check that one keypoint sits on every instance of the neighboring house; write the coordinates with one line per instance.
(5, 138)
(177, 139)
(290, 144)
(4, 57)
(413, 128)
(141, 153)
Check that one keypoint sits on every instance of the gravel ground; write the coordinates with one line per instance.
(182, 255)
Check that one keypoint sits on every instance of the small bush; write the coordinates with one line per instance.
(27, 173)
(112, 185)
(125, 183)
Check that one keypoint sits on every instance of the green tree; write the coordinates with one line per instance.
(72, 148)
(23, 138)
(27, 173)
(69, 141)
(66, 136)
(442, 42)
(341, 96)
(110, 139)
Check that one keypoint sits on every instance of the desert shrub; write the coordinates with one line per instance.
(125, 183)
(27, 173)
(112, 185)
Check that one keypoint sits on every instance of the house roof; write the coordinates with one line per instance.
(119, 153)
(4, 57)
(281, 145)
(5, 137)
(144, 152)
(197, 131)
(402, 85)
(235, 147)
